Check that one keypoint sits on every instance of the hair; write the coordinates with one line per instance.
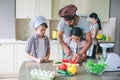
(76, 32)
(94, 15)
(44, 24)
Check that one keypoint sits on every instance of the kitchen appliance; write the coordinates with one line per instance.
(113, 62)
(104, 48)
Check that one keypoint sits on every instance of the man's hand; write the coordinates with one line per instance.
(79, 57)
(67, 50)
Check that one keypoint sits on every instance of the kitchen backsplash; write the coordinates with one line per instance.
(23, 29)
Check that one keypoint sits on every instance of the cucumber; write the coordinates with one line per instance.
(63, 72)
(58, 62)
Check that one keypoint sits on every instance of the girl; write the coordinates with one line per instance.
(95, 25)
(75, 44)
(38, 47)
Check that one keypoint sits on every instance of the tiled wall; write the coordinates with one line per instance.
(23, 28)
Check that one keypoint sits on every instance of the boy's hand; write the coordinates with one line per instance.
(40, 60)
(46, 58)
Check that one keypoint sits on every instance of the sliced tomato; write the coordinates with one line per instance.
(65, 60)
(72, 61)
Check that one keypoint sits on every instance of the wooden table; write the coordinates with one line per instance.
(27, 66)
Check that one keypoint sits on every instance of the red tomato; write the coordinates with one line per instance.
(63, 66)
(65, 60)
(72, 61)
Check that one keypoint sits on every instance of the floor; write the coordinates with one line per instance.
(8, 76)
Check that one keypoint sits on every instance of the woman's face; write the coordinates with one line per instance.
(40, 31)
(75, 38)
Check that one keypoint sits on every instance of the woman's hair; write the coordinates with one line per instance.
(94, 15)
(76, 32)
(44, 24)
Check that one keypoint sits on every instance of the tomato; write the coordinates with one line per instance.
(72, 61)
(65, 60)
(63, 67)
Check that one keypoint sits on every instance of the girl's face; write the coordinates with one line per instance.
(76, 38)
(40, 31)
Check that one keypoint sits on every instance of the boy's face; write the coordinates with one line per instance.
(76, 38)
(40, 30)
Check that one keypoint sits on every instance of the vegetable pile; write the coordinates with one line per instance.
(66, 70)
(42, 74)
(95, 68)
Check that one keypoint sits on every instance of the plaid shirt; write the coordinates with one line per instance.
(33, 43)
(75, 47)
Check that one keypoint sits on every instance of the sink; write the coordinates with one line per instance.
(104, 48)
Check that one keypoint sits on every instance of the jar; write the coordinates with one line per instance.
(54, 34)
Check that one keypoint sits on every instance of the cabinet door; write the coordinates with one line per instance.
(25, 8)
(57, 5)
(54, 51)
(6, 58)
(44, 8)
(20, 56)
(101, 7)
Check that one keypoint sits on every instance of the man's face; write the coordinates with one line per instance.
(70, 23)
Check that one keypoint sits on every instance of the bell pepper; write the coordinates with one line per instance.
(65, 60)
(72, 68)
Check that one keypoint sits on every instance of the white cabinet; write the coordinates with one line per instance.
(20, 56)
(101, 7)
(6, 58)
(57, 5)
(85, 7)
(55, 51)
(31, 8)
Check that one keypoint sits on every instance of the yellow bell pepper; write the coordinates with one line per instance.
(72, 68)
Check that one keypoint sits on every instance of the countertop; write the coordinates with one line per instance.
(27, 66)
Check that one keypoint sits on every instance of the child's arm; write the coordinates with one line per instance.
(38, 60)
(46, 58)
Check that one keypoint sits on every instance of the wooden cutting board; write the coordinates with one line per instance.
(67, 63)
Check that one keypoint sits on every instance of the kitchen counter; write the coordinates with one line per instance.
(27, 66)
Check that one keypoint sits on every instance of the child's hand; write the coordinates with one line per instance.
(40, 60)
(46, 58)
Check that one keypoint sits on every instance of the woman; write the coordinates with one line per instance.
(95, 25)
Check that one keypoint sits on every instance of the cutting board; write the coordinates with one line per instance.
(67, 63)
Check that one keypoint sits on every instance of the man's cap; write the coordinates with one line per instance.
(68, 12)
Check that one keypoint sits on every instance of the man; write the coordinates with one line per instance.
(69, 20)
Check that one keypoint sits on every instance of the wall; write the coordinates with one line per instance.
(115, 12)
(7, 19)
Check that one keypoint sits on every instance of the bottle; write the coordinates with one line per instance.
(54, 34)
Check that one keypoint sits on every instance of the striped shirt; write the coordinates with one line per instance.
(34, 45)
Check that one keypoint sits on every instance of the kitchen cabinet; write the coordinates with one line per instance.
(57, 5)
(31, 8)
(54, 51)
(6, 58)
(20, 56)
(85, 7)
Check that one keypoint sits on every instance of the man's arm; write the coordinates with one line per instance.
(87, 44)
(63, 44)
